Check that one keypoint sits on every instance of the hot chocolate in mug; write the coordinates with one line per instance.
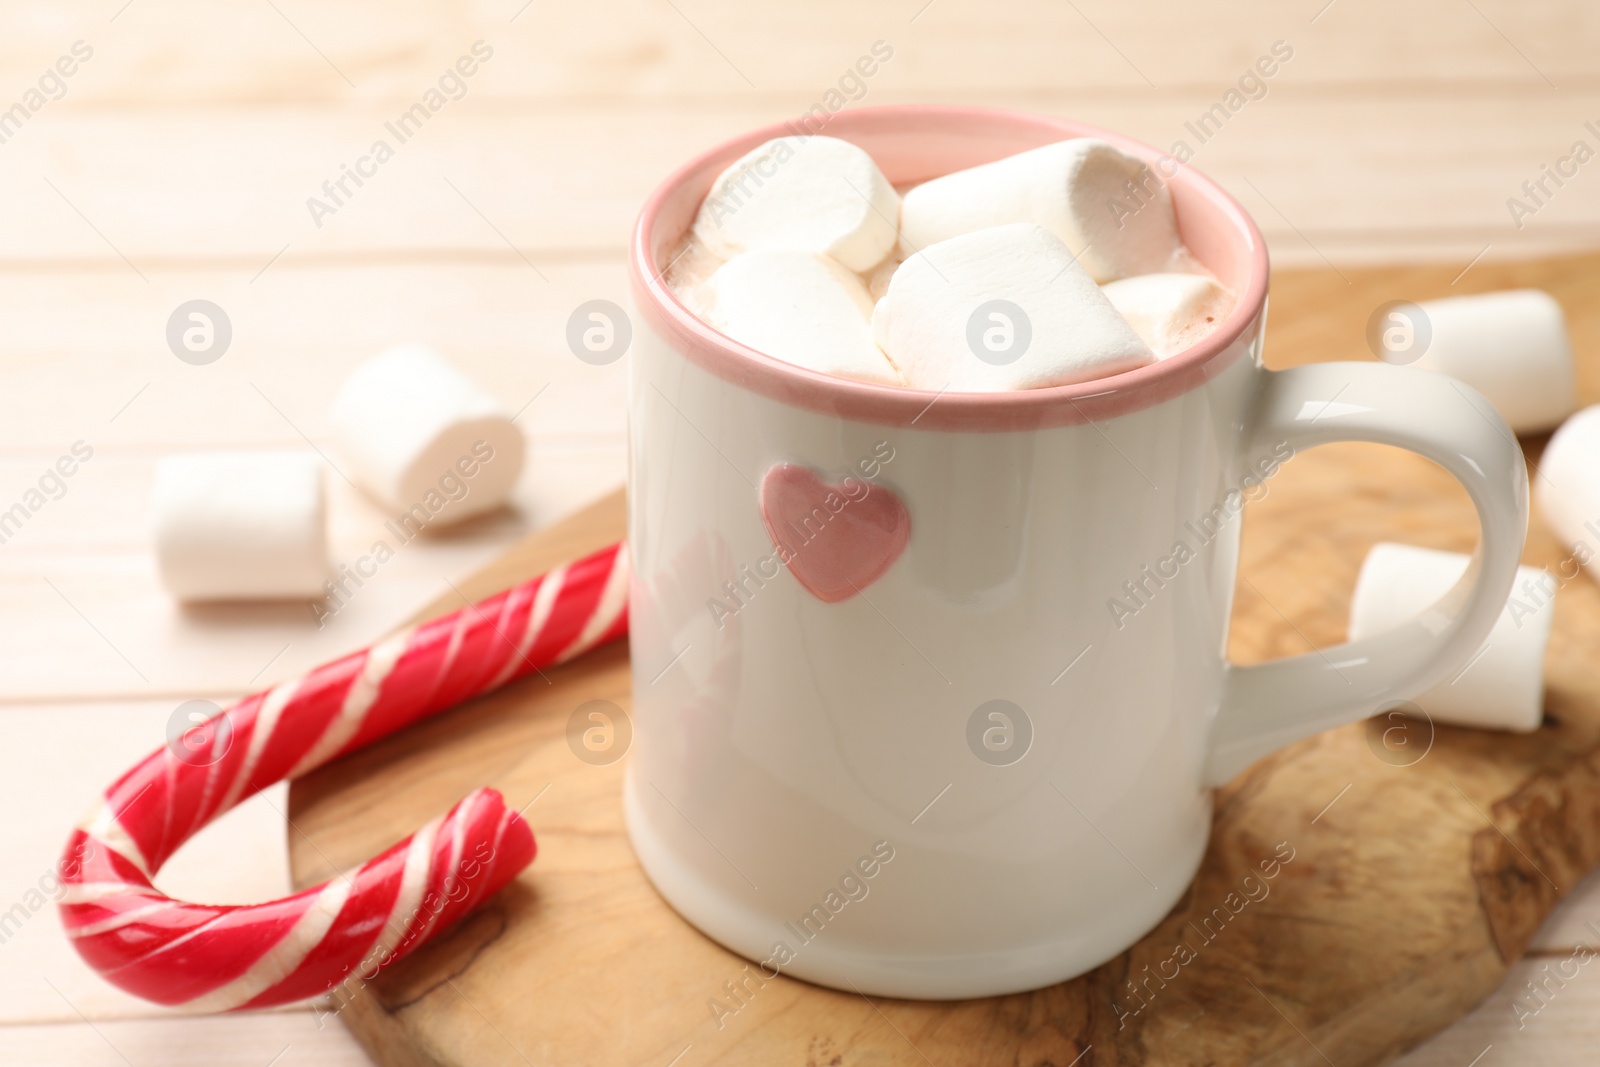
(929, 689)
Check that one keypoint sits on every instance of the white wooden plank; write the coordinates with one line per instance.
(1576, 920)
(231, 187)
(181, 50)
(79, 624)
(56, 763)
(1513, 1026)
(79, 348)
(253, 1040)
(104, 508)
(1559, 1035)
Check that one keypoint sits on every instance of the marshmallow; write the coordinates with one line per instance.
(1567, 489)
(814, 194)
(1503, 687)
(1108, 206)
(686, 274)
(798, 307)
(241, 526)
(1512, 347)
(1170, 312)
(950, 319)
(424, 439)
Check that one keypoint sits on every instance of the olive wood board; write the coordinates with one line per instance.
(1423, 858)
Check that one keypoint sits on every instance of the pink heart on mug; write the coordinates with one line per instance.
(835, 539)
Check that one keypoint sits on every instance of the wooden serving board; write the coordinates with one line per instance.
(1421, 864)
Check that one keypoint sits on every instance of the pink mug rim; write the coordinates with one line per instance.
(1089, 401)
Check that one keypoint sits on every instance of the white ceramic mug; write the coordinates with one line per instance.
(919, 750)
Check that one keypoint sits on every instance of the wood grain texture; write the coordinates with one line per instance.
(1397, 169)
(180, 50)
(1408, 872)
(275, 1038)
(191, 137)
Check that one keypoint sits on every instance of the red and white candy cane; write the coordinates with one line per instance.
(218, 958)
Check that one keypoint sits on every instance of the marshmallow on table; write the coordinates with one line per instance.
(1503, 688)
(424, 439)
(1567, 489)
(1512, 347)
(798, 307)
(814, 194)
(1170, 312)
(241, 526)
(1108, 206)
(940, 326)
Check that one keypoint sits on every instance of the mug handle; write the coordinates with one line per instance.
(1266, 706)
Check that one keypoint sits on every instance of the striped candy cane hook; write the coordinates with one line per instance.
(219, 958)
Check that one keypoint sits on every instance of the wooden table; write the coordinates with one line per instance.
(177, 165)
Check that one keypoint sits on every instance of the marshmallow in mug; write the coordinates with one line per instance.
(1567, 490)
(1000, 309)
(1170, 312)
(803, 259)
(240, 526)
(812, 194)
(1107, 206)
(798, 307)
(412, 427)
(1503, 687)
(1511, 346)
